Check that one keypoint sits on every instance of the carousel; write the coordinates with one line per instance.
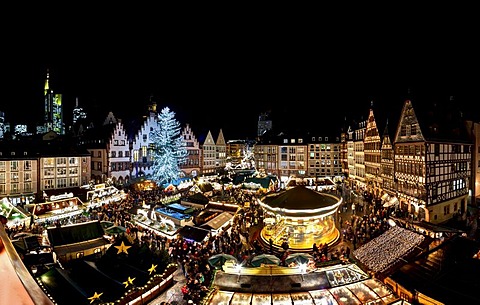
(300, 217)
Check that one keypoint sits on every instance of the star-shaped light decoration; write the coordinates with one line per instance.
(153, 269)
(122, 248)
(95, 297)
(129, 282)
(131, 237)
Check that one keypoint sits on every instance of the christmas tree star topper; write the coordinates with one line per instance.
(122, 248)
(95, 297)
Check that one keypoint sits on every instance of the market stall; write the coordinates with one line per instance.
(15, 215)
(61, 207)
(102, 194)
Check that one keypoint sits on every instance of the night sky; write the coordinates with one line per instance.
(213, 77)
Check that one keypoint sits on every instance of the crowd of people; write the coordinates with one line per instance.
(193, 257)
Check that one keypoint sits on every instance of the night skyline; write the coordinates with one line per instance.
(215, 103)
(212, 81)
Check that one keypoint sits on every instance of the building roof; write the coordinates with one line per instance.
(98, 136)
(440, 120)
(29, 149)
(448, 274)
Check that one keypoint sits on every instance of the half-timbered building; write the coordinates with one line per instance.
(432, 161)
(372, 156)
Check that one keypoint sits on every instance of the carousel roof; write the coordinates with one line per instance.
(299, 198)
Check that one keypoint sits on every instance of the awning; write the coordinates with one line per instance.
(385, 196)
(391, 202)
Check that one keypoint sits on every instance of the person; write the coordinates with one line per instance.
(3, 219)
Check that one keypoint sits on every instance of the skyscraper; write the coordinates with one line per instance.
(78, 112)
(2, 124)
(53, 119)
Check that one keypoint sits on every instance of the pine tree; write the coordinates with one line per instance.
(169, 148)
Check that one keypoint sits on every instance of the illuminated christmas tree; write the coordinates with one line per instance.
(169, 148)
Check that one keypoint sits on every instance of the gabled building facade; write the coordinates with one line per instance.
(387, 167)
(350, 154)
(192, 165)
(220, 152)
(119, 155)
(359, 155)
(209, 155)
(372, 157)
(432, 163)
(109, 148)
(141, 155)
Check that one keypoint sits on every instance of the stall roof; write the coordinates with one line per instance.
(193, 233)
(180, 208)
(299, 198)
(72, 234)
(217, 222)
(197, 198)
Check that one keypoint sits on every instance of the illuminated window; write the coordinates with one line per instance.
(73, 171)
(14, 177)
(14, 166)
(73, 181)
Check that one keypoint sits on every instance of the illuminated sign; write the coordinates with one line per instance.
(61, 196)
